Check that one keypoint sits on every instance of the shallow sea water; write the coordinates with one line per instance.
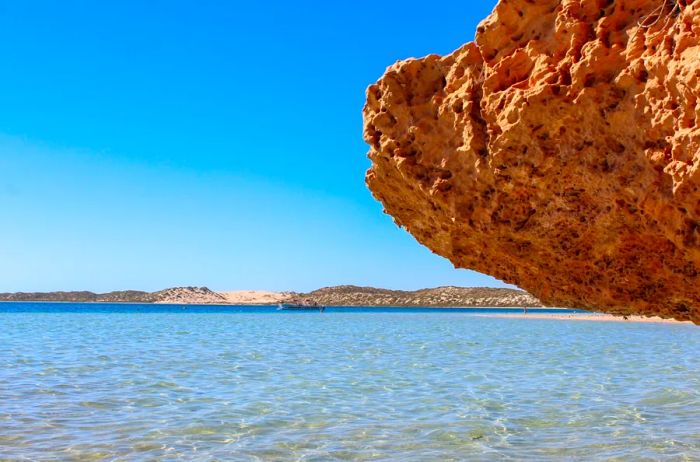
(138, 383)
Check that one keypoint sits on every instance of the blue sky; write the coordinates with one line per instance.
(152, 144)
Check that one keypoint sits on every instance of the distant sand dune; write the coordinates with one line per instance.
(255, 297)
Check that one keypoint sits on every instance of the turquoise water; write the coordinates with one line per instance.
(172, 384)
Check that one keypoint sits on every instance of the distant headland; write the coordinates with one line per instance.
(348, 295)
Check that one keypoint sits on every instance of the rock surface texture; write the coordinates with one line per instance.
(558, 152)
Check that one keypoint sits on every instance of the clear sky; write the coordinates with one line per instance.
(149, 144)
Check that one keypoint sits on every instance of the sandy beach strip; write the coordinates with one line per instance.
(583, 317)
(254, 297)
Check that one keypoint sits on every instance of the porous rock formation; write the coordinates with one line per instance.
(558, 152)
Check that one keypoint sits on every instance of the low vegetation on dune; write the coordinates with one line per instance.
(327, 296)
(437, 297)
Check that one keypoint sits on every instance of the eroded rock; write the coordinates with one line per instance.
(558, 152)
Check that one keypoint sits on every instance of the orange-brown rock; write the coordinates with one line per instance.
(558, 152)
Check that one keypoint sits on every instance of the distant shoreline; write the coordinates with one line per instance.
(272, 305)
(593, 317)
(440, 297)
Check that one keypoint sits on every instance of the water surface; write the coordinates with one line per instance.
(137, 382)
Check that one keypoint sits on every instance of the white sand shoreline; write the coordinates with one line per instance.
(595, 317)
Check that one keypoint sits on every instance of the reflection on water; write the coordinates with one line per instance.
(343, 386)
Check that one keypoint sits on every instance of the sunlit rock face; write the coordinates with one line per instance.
(558, 152)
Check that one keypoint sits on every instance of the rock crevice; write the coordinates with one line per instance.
(559, 151)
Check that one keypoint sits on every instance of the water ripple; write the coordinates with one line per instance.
(344, 386)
